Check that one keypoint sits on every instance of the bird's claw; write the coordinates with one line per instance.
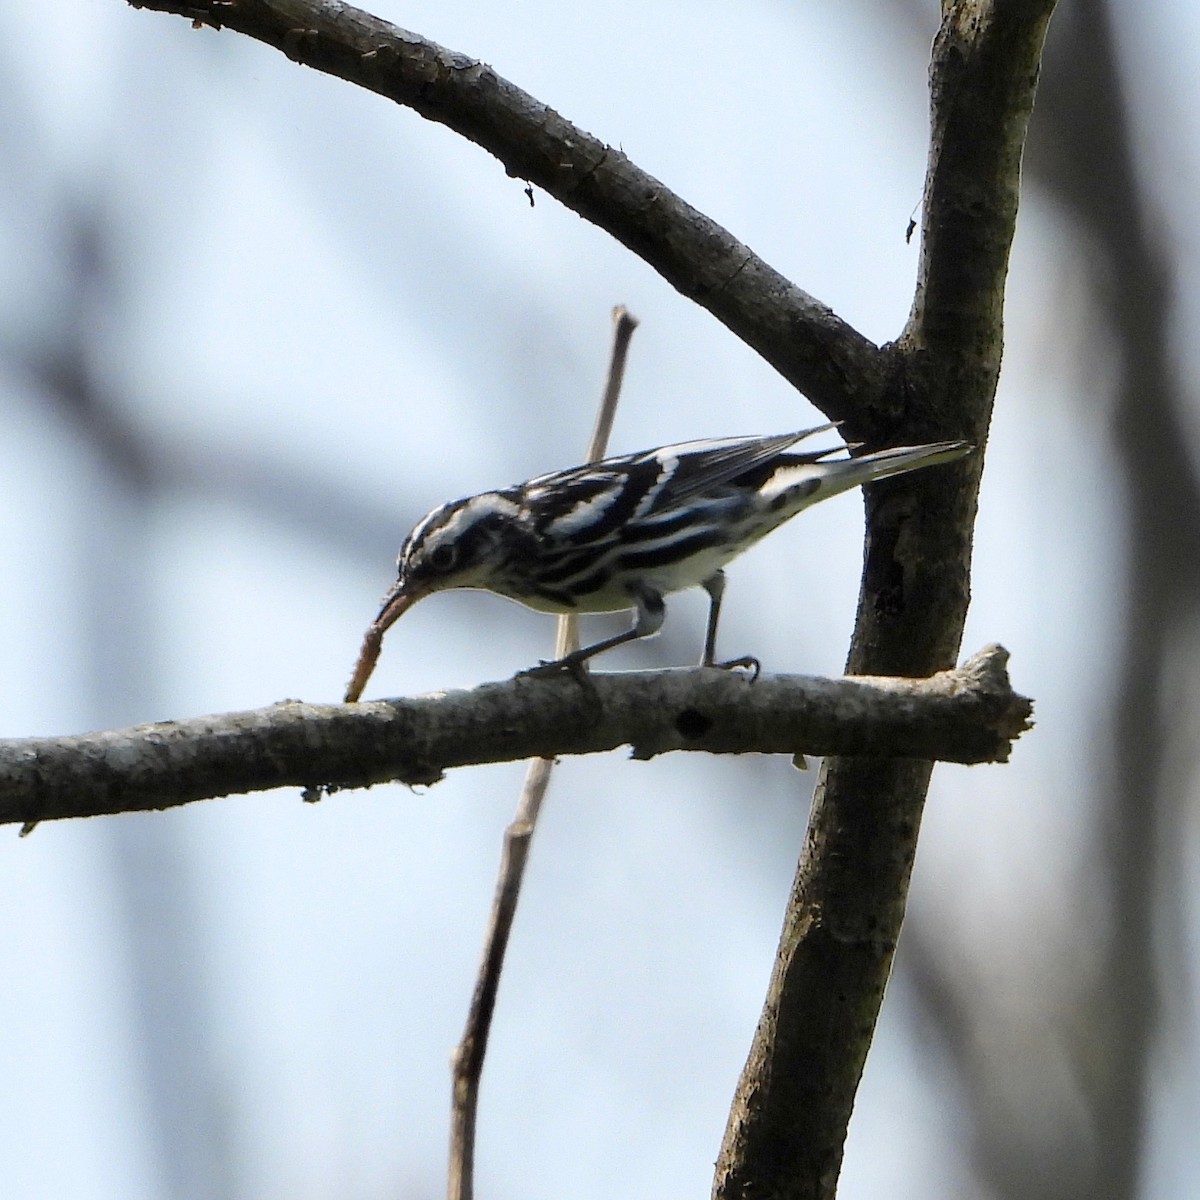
(747, 662)
(573, 666)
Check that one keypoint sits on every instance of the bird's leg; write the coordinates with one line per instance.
(649, 612)
(714, 585)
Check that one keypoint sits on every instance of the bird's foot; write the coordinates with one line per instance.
(747, 662)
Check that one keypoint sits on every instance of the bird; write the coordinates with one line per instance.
(622, 533)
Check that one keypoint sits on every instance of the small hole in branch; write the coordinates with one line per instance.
(692, 724)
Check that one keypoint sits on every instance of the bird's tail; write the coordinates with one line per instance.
(842, 474)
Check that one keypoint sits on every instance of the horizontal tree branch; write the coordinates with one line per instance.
(967, 715)
(840, 370)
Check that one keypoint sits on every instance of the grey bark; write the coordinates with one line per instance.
(968, 715)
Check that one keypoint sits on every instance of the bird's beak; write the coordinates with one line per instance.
(395, 604)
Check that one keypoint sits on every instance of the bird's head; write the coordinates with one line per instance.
(464, 544)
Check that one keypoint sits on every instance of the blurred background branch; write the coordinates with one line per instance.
(1054, 1073)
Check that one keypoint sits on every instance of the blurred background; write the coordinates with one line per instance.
(255, 322)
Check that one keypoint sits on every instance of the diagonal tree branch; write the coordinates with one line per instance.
(967, 715)
(841, 371)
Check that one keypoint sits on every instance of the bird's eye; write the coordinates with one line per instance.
(443, 557)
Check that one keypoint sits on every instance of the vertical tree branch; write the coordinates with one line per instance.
(788, 1123)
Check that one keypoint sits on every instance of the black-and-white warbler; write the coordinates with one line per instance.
(625, 532)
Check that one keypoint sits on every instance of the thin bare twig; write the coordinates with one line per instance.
(518, 837)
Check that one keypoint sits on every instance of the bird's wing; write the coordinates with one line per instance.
(592, 504)
(691, 468)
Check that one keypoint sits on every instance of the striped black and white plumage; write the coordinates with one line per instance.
(625, 532)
